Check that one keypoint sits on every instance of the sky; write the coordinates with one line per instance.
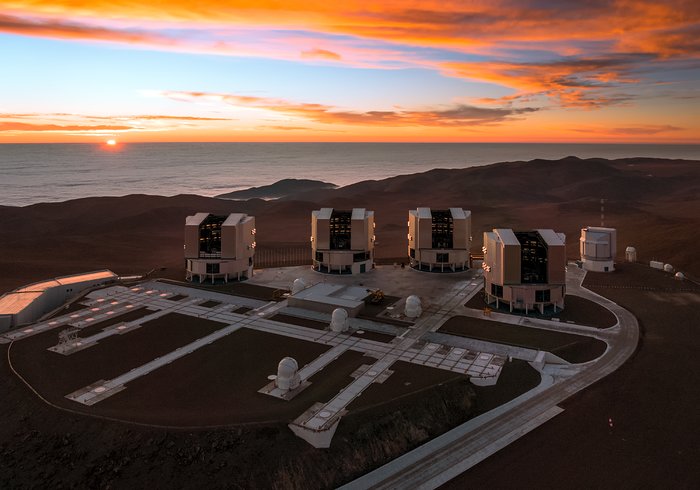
(604, 71)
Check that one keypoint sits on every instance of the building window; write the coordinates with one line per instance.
(442, 258)
(533, 258)
(497, 290)
(412, 253)
(213, 268)
(319, 256)
(340, 226)
(360, 256)
(442, 229)
(542, 296)
(210, 236)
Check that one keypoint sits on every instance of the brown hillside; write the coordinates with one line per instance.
(654, 203)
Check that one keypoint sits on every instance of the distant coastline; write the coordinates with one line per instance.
(35, 173)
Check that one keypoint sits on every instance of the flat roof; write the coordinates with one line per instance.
(196, 219)
(323, 213)
(234, 219)
(67, 280)
(424, 213)
(600, 229)
(334, 294)
(552, 238)
(507, 236)
(459, 213)
(358, 213)
(13, 302)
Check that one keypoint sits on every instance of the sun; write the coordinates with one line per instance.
(111, 142)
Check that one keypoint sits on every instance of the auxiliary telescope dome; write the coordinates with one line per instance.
(339, 320)
(298, 285)
(413, 307)
(287, 374)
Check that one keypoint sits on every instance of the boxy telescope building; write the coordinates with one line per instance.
(525, 269)
(342, 242)
(219, 247)
(439, 240)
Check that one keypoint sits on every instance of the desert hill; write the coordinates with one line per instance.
(654, 203)
(281, 188)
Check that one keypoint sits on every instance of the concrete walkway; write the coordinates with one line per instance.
(445, 457)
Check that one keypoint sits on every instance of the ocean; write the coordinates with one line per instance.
(33, 173)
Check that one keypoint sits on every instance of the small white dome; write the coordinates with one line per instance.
(413, 307)
(298, 285)
(630, 249)
(287, 368)
(668, 268)
(339, 320)
(680, 276)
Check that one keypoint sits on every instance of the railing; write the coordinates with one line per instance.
(282, 256)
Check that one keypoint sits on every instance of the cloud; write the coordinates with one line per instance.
(85, 124)
(321, 53)
(53, 28)
(574, 54)
(459, 115)
(19, 126)
(640, 130)
(573, 81)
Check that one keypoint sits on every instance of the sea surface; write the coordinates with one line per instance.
(33, 173)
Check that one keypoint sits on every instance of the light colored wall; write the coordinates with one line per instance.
(322, 236)
(412, 227)
(510, 267)
(191, 241)
(556, 264)
(358, 234)
(228, 242)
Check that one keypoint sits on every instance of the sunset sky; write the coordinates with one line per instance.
(482, 70)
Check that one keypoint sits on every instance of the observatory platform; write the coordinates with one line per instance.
(181, 331)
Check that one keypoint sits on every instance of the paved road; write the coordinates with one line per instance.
(440, 460)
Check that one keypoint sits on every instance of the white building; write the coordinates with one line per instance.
(525, 270)
(598, 246)
(439, 240)
(342, 242)
(219, 247)
(29, 303)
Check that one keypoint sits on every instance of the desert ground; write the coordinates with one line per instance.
(654, 204)
(633, 429)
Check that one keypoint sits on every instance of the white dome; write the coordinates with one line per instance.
(339, 320)
(287, 374)
(668, 268)
(287, 368)
(630, 249)
(680, 276)
(413, 307)
(298, 285)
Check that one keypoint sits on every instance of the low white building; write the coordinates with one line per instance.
(29, 303)
(219, 247)
(342, 242)
(439, 239)
(525, 270)
(598, 246)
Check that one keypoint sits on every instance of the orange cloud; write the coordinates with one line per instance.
(640, 130)
(421, 22)
(51, 28)
(575, 82)
(321, 53)
(19, 126)
(460, 115)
